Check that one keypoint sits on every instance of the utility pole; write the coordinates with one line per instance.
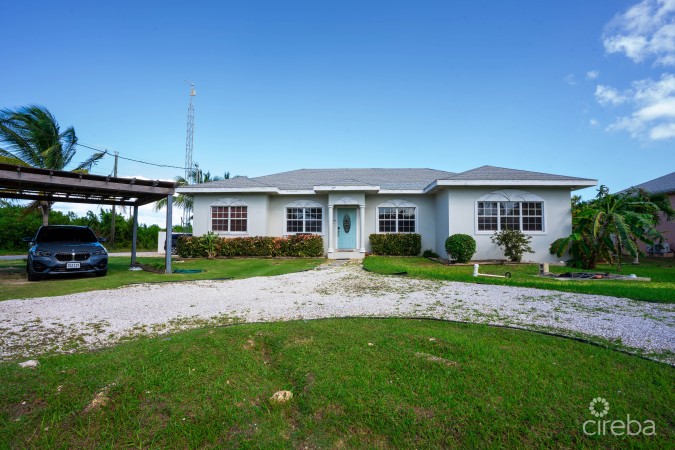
(112, 222)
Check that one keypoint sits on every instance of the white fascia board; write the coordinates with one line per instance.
(217, 190)
(402, 191)
(568, 183)
(296, 192)
(346, 188)
(431, 187)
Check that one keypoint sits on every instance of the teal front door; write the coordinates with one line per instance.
(346, 228)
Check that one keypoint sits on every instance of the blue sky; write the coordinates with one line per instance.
(583, 88)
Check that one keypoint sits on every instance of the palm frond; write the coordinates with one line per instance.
(87, 164)
(8, 158)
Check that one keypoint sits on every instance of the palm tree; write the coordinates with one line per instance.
(187, 201)
(663, 210)
(30, 136)
(605, 227)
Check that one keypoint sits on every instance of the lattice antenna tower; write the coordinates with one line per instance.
(189, 142)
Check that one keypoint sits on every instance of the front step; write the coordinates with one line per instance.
(342, 254)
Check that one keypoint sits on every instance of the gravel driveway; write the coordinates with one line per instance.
(91, 320)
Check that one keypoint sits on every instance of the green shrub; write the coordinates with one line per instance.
(460, 247)
(247, 246)
(560, 247)
(190, 247)
(210, 243)
(262, 246)
(428, 253)
(402, 244)
(513, 243)
(299, 245)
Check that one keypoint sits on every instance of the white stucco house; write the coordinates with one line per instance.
(345, 206)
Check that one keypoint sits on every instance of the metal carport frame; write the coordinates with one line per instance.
(27, 183)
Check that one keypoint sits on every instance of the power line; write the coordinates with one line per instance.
(107, 152)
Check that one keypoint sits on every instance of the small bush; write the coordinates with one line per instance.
(190, 247)
(210, 243)
(513, 243)
(402, 244)
(299, 245)
(263, 246)
(428, 253)
(568, 245)
(460, 247)
(247, 246)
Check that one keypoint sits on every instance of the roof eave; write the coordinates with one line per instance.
(575, 184)
(346, 188)
(216, 190)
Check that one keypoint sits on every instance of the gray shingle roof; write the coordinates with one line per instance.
(236, 182)
(308, 178)
(660, 185)
(388, 179)
(501, 173)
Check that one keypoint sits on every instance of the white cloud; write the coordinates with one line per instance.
(644, 31)
(592, 74)
(653, 108)
(664, 131)
(663, 109)
(593, 122)
(569, 79)
(606, 95)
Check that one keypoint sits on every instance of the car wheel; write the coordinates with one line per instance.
(32, 276)
(102, 273)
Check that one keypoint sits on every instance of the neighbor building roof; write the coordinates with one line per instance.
(382, 179)
(660, 185)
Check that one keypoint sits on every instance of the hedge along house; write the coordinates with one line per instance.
(346, 206)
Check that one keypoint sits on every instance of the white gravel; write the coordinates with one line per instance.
(90, 320)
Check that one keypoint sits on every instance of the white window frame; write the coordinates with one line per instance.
(510, 195)
(229, 203)
(304, 204)
(397, 204)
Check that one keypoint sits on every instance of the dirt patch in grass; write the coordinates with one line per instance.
(436, 359)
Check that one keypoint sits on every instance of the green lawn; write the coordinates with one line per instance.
(13, 282)
(420, 384)
(660, 270)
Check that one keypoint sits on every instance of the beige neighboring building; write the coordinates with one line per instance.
(662, 185)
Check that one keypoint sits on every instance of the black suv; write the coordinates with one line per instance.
(60, 249)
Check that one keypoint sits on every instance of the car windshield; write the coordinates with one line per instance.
(65, 234)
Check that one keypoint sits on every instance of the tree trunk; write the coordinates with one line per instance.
(45, 209)
(636, 260)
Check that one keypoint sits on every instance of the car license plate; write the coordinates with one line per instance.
(72, 265)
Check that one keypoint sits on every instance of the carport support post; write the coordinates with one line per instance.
(134, 236)
(169, 230)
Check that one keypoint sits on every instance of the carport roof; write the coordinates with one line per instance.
(28, 183)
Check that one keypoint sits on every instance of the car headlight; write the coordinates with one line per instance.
(41, 253)
(99, 252)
